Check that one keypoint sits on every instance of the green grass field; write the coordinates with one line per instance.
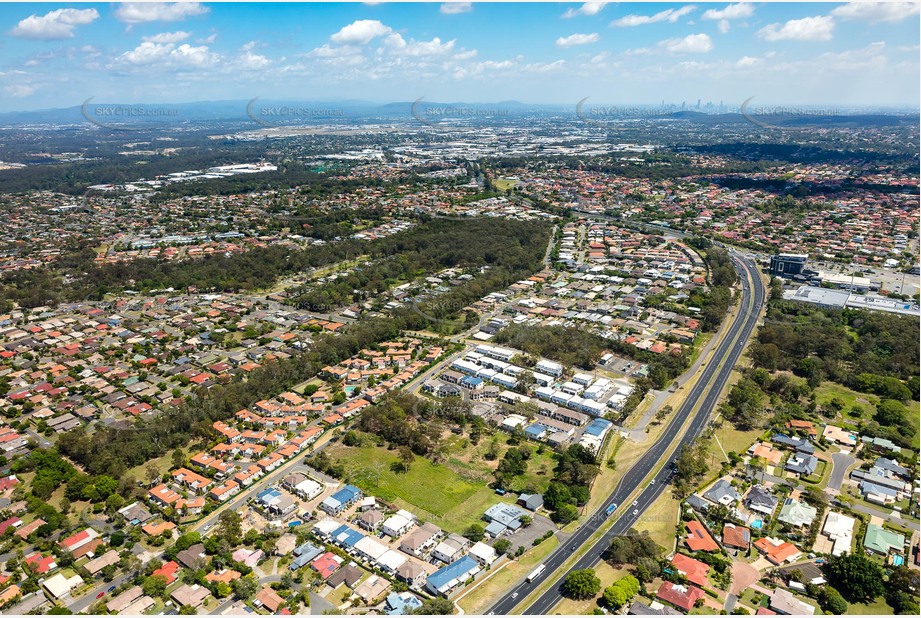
(879, 607)
(433, 492)
(829, 390)
(504, 184)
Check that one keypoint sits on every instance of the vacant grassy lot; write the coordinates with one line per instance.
(660, 520)
(829, 390)
(434, 492)
(731, 440)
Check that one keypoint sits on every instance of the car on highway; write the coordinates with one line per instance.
(572, 548)
(111, 588)
(653, 482)
(636, 512)
(514, 595)
(636, 502)
(206, 528)
(101, 594)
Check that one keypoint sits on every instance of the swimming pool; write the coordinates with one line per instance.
(757, 524)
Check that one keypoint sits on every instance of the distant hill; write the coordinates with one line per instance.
(324, 111)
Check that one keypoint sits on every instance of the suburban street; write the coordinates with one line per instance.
(704, 394)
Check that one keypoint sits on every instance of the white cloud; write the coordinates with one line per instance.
(453, 8)
(396, 44)
(146, 53)
(55, 25)
(168, 54)
(143, 12)
(747, 61)
(875, 12)
(465, 55)
(546, 67)
(909, 48)
(589, 8)
(692, 43)
(805, 29)
(249, 60)
(733, 11)
(577, 39)
(362, 31)
(18, 91)
(168, 37)
(869, 58)
(669, 15)
(211, 38)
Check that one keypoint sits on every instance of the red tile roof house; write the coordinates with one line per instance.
(698, 538)
(169, 571)
(694, 570)
(78, 540)
(682, 597)
(40, 563)
(736, 537)
(327, 564)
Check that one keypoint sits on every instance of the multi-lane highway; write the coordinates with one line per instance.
(703, 398)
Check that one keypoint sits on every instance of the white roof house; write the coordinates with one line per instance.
(483, 553)
(371, 548)
(391, 560)
(840, 529)
(398, 524)
(59, 585)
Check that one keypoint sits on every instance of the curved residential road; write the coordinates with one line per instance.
(840, 463)
(705, 394)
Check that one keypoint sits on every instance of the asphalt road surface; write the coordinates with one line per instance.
(705, 392)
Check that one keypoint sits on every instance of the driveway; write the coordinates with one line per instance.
(841, 461)
(540, 525)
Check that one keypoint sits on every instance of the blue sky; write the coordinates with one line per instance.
(60, 54)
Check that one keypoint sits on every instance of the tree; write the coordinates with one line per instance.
(636, 549)
(831, 601)
(154, 585)
(502, 546)
(860, 578)
(230, 527)
(581, 584)
(557, 495)
(475, 532)
(902, 590)
(152, 473)
(614, 597)
(178, 458)
(437, 606)
(617, 594)
(815, 496)
(188, 610)
(245, 587)
(565, 513)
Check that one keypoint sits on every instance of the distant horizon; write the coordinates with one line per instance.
(729, 107)
(848, 55)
